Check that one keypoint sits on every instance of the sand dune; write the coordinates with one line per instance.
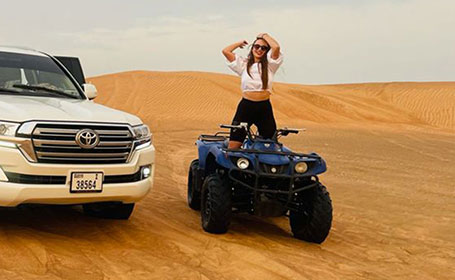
(195, 96)
(390, 150)
(429, 103)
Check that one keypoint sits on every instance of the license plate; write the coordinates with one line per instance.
(86, 182)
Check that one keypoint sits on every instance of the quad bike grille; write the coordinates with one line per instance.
(273, 169)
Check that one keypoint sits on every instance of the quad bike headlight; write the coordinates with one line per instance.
(301, 167)
(243, 163)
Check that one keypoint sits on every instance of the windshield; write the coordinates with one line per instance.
(34, 75)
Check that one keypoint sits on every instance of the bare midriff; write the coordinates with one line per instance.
(256, 95)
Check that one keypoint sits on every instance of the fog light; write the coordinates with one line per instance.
(301, 167)
(146, 171)
(243, 163)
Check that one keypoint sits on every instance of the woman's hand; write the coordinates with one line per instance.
(242, 44)
(228, 51)
(275, 47)
(261, 35)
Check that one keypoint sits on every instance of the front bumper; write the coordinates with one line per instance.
(257, 175)
(255, 185)
(12, 193)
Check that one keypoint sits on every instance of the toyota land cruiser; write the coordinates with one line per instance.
(59, 147)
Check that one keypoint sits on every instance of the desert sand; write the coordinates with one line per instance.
(390, 149)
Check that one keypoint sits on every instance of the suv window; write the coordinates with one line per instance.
(34, 75)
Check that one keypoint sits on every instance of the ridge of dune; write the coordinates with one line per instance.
(192, 96)
(430, 102)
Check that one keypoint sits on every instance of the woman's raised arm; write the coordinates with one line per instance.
(228, 51)
(272, 43)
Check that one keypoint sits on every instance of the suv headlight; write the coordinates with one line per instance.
(142, 136)
(8, 129)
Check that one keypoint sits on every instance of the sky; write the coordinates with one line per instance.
(322, 41)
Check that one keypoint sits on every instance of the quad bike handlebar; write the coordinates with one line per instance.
(238, 126)
(285, 131)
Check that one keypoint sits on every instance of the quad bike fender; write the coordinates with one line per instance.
(207, 152)
(220, 157)
(319, 166)
(213, 159)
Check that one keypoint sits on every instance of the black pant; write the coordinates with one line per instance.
(259, 113)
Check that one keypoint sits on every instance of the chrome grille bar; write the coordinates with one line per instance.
(46, 131)
(116, 143)
(78, 155)
(78, 160)
(113, 132)
(40, 131)
(50, 142)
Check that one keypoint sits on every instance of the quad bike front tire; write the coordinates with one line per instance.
(314, 220)
(216, 204)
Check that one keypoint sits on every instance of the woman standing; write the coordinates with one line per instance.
(256, 72)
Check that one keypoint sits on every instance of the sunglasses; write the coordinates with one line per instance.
(257, 47)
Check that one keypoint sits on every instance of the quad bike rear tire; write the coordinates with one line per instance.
(193, 196)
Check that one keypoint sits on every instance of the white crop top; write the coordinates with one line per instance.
(254, 83)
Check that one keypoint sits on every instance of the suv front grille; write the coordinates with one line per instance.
(56, 143)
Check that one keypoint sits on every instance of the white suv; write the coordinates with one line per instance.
(59, 147)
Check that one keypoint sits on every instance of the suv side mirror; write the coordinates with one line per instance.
(90, 91)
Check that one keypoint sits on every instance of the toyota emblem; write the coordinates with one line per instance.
(87, 139)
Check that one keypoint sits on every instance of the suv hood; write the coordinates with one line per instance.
(29, 108)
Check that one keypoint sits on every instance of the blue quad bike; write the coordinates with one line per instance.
(263, 178)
